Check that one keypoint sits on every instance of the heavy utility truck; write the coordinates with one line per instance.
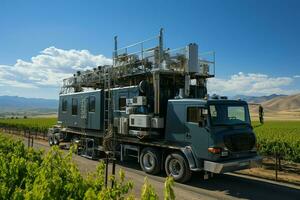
(152, 104)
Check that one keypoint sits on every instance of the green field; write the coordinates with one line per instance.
(280, 136)
(33, 124)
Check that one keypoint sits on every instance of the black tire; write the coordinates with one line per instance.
(50, 140)
(177, 166)
(150, 160)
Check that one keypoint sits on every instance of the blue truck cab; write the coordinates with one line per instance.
(217, 134)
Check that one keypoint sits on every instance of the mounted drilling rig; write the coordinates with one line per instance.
(152, 104)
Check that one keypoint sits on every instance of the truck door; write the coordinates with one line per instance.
(196, 134)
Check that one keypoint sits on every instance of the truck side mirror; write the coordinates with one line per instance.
(202, 122)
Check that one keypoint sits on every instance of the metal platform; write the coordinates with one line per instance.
(144, 59)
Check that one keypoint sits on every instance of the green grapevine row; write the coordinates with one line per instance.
(282, 137)
(32, 124)
(31, 174)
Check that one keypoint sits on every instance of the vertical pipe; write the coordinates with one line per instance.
(187, 85)
(115, 49)
(156, 86)
(161, 46)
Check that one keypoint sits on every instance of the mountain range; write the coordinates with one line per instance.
(276, 107)
(274, 102)
(9, 104)
(258, 99)
(289, 103)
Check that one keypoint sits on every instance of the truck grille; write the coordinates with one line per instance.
(239, 142)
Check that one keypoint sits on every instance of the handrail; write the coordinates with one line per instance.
(134, 53)
(135, 44)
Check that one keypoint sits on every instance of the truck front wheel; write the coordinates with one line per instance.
(150, 160)
(177, 167)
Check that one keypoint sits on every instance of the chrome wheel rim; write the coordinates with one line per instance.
(175, 168)
(50, 141)
(148, 161)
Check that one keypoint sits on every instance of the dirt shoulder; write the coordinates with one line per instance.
(288, 172)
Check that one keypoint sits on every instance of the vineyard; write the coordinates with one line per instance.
(32, 124)
(26, 173)
(274, 136)
(282, 137)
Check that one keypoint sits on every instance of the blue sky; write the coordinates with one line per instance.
(257, 43)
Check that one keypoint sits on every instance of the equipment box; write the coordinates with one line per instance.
(139, 101)
(139, 120)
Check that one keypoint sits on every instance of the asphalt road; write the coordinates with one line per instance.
(226, 186)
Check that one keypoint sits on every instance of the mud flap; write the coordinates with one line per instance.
(188, 152)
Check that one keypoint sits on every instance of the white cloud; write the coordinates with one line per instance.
(251, 84)
(296, 76)
(48, 68)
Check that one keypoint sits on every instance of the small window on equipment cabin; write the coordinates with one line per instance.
(64, 105)
(74, 106)
(122, 103)
(92, 104)
(193, 114)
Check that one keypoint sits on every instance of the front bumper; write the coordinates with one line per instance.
(230, 166)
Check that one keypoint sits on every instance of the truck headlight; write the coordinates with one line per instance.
(218, 150)
(214, 150)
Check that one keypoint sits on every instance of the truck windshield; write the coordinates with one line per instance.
(222, 114)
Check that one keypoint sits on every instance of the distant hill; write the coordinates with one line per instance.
(22, 104)
(258, 99)
(279, 108)
(284, 103)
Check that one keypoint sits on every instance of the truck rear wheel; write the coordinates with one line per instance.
(50, 140)
(177, 167)
(150, 161)
(55, 140)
